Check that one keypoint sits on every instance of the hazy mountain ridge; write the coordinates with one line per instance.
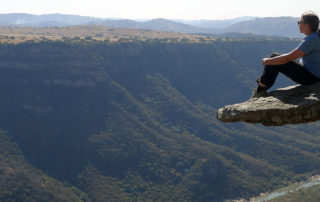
(22, 19)
(215, 24)
(276, 26)
(155, 24)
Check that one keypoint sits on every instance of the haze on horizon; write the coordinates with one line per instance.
(169, 9)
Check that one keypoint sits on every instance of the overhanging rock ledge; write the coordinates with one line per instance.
(290, 105)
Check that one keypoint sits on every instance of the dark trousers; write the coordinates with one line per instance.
(293, 69)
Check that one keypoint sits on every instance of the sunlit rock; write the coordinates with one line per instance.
(290, 105)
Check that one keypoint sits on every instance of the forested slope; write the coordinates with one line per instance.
(136, 121)
(21, 181)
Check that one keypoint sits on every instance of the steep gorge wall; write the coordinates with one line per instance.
(115, 114)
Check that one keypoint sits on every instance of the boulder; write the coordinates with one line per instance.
(290, 105)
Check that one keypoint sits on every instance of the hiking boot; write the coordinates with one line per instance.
(256, 94)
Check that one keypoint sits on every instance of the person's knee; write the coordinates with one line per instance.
(275, 54)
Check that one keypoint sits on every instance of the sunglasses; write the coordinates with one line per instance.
(299, 22)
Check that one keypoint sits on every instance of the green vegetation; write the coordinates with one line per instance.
(135, 121)
(21, 181)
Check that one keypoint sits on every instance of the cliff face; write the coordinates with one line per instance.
(290, 105)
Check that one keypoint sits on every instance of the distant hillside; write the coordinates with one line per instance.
(94, 32)
(215, 24)
(156, 24)
(22, 19)
(278, 26)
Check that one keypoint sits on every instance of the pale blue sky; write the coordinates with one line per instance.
(170, 9)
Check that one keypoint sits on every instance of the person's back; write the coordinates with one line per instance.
(311, 46)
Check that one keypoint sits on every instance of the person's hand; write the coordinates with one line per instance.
(265, 61)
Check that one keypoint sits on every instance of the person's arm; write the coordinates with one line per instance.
(283, 59)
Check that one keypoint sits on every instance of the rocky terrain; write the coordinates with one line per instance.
(291, 105)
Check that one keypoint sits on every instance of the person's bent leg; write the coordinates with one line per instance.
(294, 70)
(269, 75)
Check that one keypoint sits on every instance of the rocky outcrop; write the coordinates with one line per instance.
(290, 105)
